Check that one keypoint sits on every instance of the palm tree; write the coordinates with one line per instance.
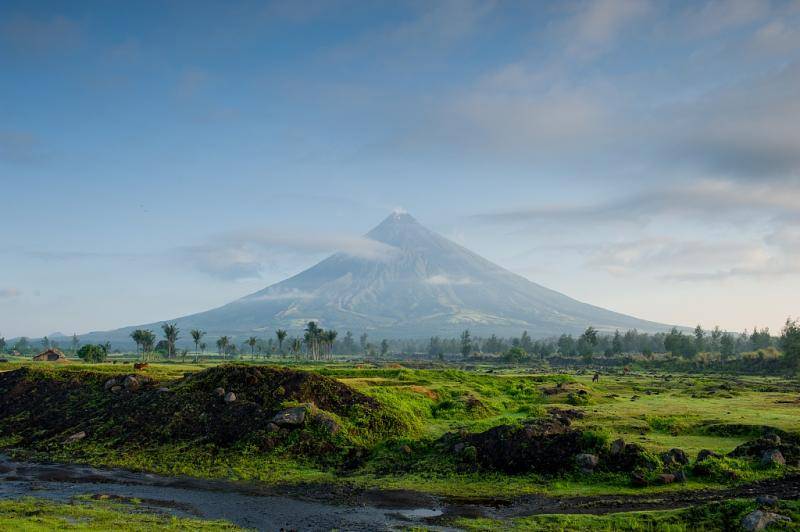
(330, 338)
(137, 338)
(252, 341)
(197, 335)
(171, 336)
(312, 339)
(222, 345)
(148, 339)
(297, 345)
(281, 334)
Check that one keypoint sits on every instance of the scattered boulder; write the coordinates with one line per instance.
(631, 457)
(586, 462)
(131, 383)
(457, 448)
(290, 417)
(674, 458)
(230, 397)
(164, 389)
(78, 436)
(116, 388)
(706, 454)
(110, 383)
(680, 476)
(759, 520)
(617, 447)
(219, 391)
(327, 422)
(666, 478)
(406, 449)
(772, 457)
(767, 500)
(638, 480)
(272, 427)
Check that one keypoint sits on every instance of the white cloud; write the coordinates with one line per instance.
(445, 280)
(245, 254)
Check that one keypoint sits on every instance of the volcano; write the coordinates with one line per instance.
(414, 284)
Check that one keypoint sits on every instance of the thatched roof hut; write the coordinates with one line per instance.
(50, 355)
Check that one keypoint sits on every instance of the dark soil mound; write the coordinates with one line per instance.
(788, 445)
(43, 409)
(542, 445)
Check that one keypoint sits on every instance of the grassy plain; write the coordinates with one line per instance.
(657, 411)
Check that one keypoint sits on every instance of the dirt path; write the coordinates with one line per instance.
(324, 507)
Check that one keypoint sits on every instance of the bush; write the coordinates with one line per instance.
(92, 353)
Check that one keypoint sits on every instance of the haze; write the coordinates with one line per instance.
(159, 159)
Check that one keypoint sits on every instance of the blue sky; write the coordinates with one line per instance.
(158, 159)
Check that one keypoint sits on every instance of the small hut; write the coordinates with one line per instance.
(50, 355)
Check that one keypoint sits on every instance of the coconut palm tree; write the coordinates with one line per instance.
(281, 334)
(148, 339)
(222, 345)
(197, 335)
(137, 338)
(252, 341)
(171, 336)
(330, 338)
(296, 346)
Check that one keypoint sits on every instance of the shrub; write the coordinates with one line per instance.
(92, 353)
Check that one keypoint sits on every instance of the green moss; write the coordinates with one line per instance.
(33, 515)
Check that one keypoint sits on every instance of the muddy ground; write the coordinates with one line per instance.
(322, 507)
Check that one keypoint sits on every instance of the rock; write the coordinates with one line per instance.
(272, 427)
(219, 391)
(759, 520)
(291, 417)
(666, 478)
(772, 457)
(469, 454)
(457, 448)
(766, 500)
(116, 388)
(774, 438)
(75, 437)
(328, 423)
(617, 447)
(406, 449)
(705, 454)
(586, 462)
(230, 397)
(131, 383)
(638, 480)
(164, 390)
(674, 457)
(110, 383)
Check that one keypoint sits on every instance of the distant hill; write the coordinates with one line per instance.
(422, 284)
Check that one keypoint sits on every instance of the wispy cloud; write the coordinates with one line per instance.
(36, 35)
(8, 293)
(245, 254)
(447, 280)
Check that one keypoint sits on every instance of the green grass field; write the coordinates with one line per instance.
(689, 412)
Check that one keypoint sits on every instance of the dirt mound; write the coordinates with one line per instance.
(788, 445)
(224, 405)
(542, 445)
